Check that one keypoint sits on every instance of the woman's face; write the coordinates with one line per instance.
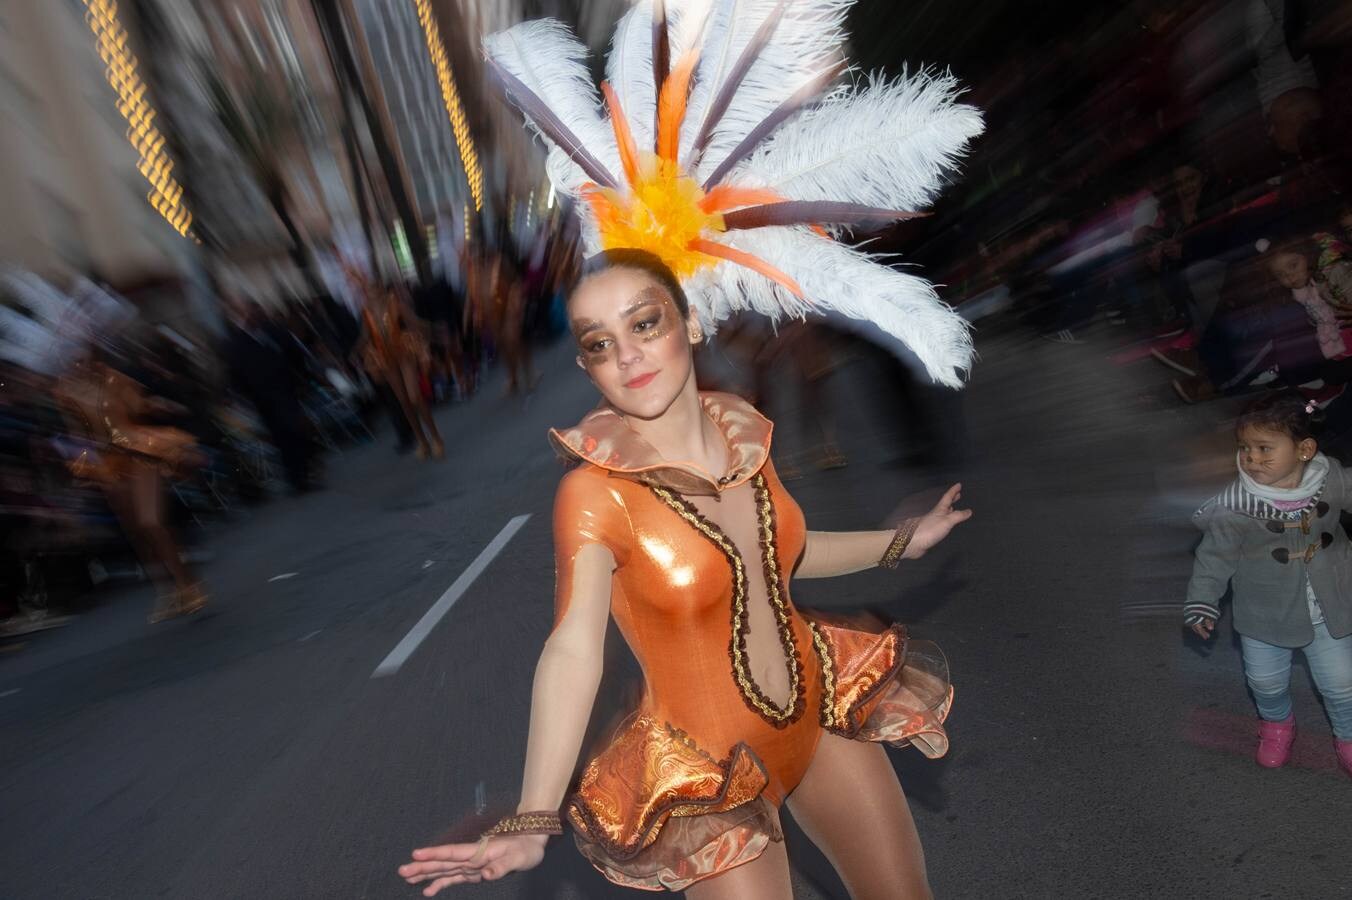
(632, 341)
(1188, 181)
(1291, 270)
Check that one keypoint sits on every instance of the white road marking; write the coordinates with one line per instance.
(11, 692)
(405, 648)
(310, 635)
(282, 577)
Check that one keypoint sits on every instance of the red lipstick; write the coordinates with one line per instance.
(640, 381)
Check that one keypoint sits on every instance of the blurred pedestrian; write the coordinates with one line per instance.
(396, 354)
(130, 460)
(261, 369)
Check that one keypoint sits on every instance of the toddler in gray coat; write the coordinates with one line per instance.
(1274, 537)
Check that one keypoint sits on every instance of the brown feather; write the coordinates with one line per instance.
(814, 212)
(661, 55)
(801, 97)
(734, 79)
(531, 106)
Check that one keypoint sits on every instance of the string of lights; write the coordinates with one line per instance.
(165, 194)
(468, 157)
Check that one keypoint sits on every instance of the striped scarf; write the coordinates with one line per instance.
(1249, 498)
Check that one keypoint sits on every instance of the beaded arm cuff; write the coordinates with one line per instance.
(900, 541)
(545, 822)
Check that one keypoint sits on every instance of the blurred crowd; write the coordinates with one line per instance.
(1186, 186)
(1171, 179)
(121, 439)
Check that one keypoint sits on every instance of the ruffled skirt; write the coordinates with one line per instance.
(657, 812)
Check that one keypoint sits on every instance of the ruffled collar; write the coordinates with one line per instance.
(603, 439)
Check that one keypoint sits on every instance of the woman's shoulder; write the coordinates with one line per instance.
(589, 487)
(590, 506)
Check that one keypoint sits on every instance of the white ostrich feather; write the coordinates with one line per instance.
(838, 279)
(889, 144)
(629, 67)
(806, 40)
(549, 60)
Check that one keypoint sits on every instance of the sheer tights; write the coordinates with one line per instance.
(851, 805)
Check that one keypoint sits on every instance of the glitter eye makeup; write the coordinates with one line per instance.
(650, 315)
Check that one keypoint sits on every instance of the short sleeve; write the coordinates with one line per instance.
(588, 509)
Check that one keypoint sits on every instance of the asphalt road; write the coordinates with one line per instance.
(1096, 751)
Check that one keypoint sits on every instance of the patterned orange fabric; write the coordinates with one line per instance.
(687, 788)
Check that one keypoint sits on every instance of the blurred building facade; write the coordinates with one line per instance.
(74, 200)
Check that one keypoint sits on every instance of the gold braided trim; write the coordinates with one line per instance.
(527, 823)
(828, 676)
(901, 539)
(750, 691)
(774, 584)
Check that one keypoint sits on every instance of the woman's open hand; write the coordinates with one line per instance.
(935, 525)
(464, 863)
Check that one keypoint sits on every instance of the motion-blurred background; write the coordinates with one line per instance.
(260, 259)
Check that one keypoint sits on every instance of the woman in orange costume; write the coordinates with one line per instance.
(130, 460)
(398, 354)
(726, 160)
(675, 525)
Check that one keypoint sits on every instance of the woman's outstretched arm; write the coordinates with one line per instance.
(566, 679)
(591, 529)
(829, 553)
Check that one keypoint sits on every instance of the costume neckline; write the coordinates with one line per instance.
(605, 440)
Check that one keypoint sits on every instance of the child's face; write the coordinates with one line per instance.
(1273, 458)
(1292, 270)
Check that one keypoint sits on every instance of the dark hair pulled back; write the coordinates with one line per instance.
(638, 261)
(1286, 412)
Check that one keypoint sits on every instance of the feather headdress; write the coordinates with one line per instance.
(724, 147)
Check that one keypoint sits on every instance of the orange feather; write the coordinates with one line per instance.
(726, 197)
(742, 258)
(623, 137)
(671, 105)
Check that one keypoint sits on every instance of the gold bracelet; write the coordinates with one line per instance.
(544, 822)
(901, 539)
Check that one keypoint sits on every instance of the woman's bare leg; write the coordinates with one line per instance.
(421, 411)
(851, 805)
(764, 878)
(147, 497)
(394, 377)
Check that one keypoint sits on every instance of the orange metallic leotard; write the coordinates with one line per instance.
(739, 685)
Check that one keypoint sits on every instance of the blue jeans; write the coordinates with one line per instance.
(1268, 671)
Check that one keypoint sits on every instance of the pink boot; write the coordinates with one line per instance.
(1344, 751)
(1274, 742)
